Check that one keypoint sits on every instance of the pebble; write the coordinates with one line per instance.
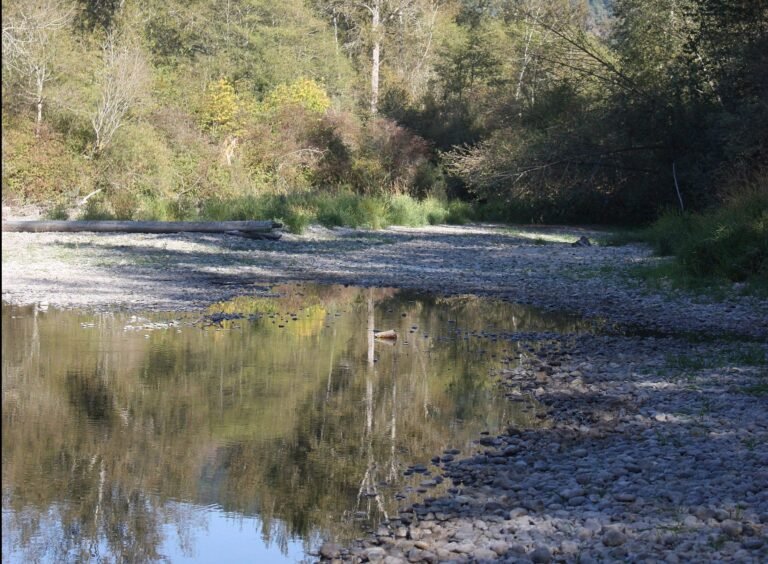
(330, 550)
(541, 555)
(614, 537)
(731, 528)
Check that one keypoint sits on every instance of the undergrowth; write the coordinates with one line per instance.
(713, 250)
(298, 211)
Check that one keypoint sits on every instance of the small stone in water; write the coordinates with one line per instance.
(330, 550)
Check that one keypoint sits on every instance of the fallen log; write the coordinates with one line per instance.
(268, 235)
(141, 226)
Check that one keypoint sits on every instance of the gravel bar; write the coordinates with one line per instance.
(658, 448)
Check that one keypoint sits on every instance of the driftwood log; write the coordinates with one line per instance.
(142, 226)
(268, 235)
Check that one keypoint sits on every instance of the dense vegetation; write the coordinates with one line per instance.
(607, 111)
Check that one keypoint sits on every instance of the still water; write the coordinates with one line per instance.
(250, 433)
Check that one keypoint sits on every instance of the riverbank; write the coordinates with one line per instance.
(535, 266)
(659, 446)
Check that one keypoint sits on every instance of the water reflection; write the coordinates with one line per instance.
(273, 422)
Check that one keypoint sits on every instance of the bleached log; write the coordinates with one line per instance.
(141, 226)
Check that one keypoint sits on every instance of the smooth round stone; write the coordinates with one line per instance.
(484, 554)
(731, 528)
(330, 550)
(669, 540)
(721, 514)
(541, 555)
(625, 497)
(691, 521)
(500, 547)
(376, 554)
(614, 537)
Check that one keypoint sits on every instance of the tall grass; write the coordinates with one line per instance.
(730, 242)
(298, 211)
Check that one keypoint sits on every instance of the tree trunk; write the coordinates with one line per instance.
(375, 57)
(140, 226)
(40, 80)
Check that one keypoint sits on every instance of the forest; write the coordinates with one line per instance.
(368, 113)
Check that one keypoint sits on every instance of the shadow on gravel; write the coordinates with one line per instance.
(445, 254)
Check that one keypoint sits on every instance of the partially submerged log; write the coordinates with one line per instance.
(141, 226)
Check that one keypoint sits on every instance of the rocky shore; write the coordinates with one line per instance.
(658, 447)
(648, 460)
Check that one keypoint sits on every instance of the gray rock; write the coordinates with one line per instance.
(582, 242)
(376, 554)
(614, 537)
(731, 528)
(541, 555)
(484, 554)
(330, 550)
(499, 547)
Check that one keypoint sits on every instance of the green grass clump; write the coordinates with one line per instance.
(729, 243)
(296, 211)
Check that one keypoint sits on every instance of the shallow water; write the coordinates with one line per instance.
(251, 433)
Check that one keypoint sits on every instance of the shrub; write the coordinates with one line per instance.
(42, 170)
(729, 242)
(459, 213)
(304, 92)
(404, 210)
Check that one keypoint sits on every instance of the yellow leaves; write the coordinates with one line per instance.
(304, 92)
(220, 107)
(223, 111)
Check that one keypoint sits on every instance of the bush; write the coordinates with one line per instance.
(730, 242)
(42, 170)
(404, 210)
(459, 213)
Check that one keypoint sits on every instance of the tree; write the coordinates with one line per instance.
(387, 35)
(29, 41)
(123, 84)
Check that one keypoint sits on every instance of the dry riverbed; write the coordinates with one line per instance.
(658, 449)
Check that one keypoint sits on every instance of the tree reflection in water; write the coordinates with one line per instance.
(114, 428)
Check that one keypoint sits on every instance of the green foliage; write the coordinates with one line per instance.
(579, 121)
(730, 242)
(298, 211)
(41, 170)
(460, 213)
(97, 209)
(58, 212)
(304, 92)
